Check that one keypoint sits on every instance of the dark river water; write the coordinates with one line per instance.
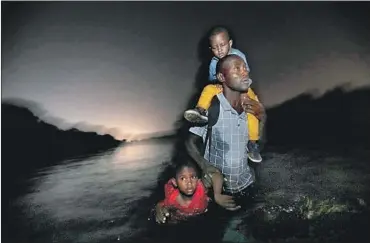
(305, 196)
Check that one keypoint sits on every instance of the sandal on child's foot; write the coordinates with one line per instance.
(253, 152)
(195, 116)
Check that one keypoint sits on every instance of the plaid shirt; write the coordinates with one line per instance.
(228, 150)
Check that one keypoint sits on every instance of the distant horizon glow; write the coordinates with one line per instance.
(116, 68)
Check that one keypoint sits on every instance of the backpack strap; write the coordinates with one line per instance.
(213, 114)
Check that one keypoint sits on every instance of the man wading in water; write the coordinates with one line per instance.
(225, 162)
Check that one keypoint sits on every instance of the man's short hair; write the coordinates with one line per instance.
(222, 61)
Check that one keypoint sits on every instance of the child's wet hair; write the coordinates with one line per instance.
(217, 30)
(180, 166)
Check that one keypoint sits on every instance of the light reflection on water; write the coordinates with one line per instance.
(89, 200)
(93, 191)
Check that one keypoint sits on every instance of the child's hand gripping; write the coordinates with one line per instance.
(161, 214)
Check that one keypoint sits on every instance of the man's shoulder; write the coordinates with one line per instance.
(222, 99)
(220, 95)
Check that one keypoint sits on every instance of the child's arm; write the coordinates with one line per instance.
(161, 209)
(212, 71)
(161, 213)
(242, 55)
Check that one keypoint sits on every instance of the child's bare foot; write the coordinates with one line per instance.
(197, 115)
(253, 152)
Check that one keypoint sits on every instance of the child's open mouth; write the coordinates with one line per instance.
(190, 190)
(222, 56)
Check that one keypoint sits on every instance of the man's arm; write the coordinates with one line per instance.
(192, 149)
(210, 171)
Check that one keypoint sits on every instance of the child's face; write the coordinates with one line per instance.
(220, 44)
(186, 181)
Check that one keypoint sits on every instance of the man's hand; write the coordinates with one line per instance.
(207, 181)
(254, 107)
(161, 214)
(226, 201)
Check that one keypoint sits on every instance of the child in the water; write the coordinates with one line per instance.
(185, 196)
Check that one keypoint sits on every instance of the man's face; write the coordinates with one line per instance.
(220, 44)
(235, 75)
(187, 181)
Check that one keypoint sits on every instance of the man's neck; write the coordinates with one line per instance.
(233, 97)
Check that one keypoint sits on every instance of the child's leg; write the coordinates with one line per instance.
(253, 122)
(253, 127)
(198, 115)
(253, 132)
(207, 94)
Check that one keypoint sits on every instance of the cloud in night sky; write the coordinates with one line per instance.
(130, 67)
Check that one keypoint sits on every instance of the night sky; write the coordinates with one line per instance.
(127, 68)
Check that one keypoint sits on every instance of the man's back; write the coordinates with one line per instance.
(229, 146)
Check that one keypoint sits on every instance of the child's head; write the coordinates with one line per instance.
(220, 41)
(186, 178)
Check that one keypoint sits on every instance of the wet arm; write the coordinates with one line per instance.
(192, 149)
(208, 170)
(217, 182)
(211, 171)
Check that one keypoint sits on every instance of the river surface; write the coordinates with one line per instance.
(106, 197)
